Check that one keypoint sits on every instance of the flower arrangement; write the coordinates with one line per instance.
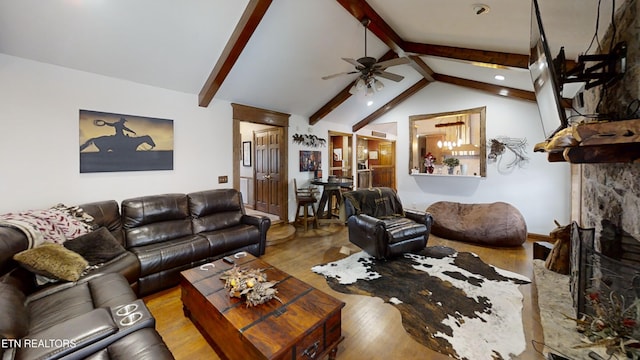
(451, 162)
(251, 284)
(429, 159)
(614, 324)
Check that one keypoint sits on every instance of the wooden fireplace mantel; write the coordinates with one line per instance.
(600, 142)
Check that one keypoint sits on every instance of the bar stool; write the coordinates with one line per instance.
(305, 198)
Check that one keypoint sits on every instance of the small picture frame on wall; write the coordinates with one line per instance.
(373, 155)
(246, 153)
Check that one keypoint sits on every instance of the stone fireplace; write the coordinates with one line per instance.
(607, 242)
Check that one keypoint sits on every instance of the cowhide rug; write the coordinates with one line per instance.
(450, 301)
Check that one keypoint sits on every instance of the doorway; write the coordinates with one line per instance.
(268, 187)
(376, 162)
(273, 156)
(340, 151)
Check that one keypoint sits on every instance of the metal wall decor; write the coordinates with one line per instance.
(309, 140)
(499, 145)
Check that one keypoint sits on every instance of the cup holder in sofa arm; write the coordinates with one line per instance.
(131, 319)
(133, 316)
(126, 309)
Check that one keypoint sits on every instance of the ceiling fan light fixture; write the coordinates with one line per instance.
(378, 85)
(369, 91)
(368, 68)
(357, 86)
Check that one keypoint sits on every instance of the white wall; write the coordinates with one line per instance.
(39, 142)
(540, 191)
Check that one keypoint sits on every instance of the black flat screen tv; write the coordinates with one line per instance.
(546, 83)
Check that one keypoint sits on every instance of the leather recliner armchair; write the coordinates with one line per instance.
(380, 226)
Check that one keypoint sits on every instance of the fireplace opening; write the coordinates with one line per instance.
(605, 282)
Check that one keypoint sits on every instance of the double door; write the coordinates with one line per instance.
(268, 182)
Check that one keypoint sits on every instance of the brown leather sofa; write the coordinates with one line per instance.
(162, 235)
(380, 226)
(174, 232)
(71, 320)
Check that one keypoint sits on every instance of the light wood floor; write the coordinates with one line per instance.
(372, 329)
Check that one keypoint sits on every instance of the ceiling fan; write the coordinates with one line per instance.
(369, 68)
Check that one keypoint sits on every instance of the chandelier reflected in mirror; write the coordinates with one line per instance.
(456, 136)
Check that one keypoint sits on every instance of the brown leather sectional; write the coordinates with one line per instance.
(100, 315)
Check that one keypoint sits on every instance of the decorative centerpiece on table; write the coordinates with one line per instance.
(451, 163)
(429, 161)
(250, 284)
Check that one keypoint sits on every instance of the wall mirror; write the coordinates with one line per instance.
(451, 135)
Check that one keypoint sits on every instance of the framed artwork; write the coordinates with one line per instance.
(373, 155)
(116, 142)
(310, 160)
(246, 153)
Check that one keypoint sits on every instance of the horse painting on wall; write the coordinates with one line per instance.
(115, 142)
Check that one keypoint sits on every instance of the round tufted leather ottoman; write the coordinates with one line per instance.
(495, 224)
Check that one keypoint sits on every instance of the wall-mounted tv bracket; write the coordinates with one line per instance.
(608, 68)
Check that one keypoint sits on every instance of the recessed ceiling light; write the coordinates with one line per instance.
(370, 102)
(499, 77)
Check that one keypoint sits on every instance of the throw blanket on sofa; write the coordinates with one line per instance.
(377, 202)
(55, 225)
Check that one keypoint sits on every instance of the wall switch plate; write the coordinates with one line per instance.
(223, 179)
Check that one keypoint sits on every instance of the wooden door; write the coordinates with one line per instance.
(267, 170)
(384, 171)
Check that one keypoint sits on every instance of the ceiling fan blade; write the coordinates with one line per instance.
(390, 76)
(352, 62)
(338, 74)
(393, 62)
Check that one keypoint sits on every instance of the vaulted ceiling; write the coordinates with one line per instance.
(272, 54)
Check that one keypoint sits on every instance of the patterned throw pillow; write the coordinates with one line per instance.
(53, 261)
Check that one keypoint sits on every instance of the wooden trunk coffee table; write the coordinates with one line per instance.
(305, 325)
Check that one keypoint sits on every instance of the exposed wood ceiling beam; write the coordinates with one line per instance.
(487, 57)
(493, 89)
(248, 23)
(342, 96)
(421, 67)
(360, 10)
(473, 55)
(391, 104)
